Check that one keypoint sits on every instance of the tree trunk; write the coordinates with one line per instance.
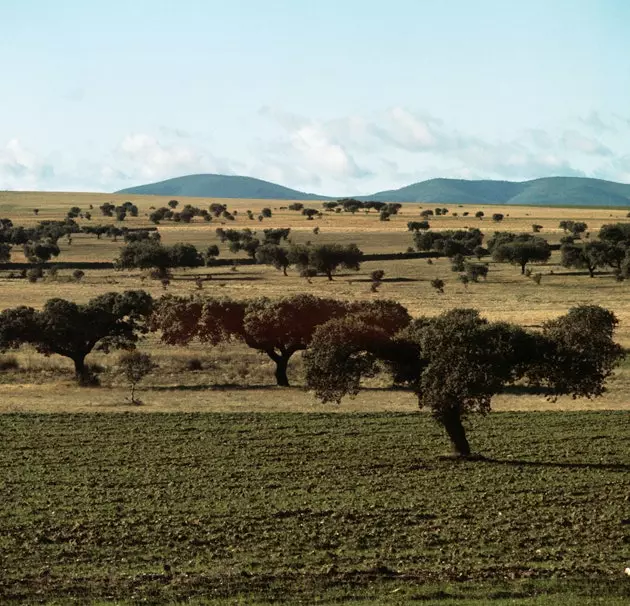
(451, 420)
(281, 371)
(523, 268)
(591, 271)
(284, 270)
(81, 373)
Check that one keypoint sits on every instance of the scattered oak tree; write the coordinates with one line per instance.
(109, 321)
(456, 362)
(592, 255)
(519, 249)
(277, 327)
(325, 258)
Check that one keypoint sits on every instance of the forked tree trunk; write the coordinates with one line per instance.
(451, 420)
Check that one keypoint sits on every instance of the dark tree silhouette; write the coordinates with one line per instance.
(109, 321)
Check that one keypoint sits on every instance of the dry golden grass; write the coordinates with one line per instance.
(506, 295)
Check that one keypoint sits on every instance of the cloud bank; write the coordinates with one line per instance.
(347, 154)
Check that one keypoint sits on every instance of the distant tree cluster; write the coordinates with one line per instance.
(449, 242)
(247, 240)
(120, 212)
(351, 205)
(151, 254)
(39, 243)
(188, 213)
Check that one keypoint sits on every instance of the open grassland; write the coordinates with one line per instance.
(306, 508)
(235, 378)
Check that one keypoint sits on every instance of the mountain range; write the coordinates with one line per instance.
(548, 191)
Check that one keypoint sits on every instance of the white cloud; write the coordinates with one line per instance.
(22, 169)
(347, 155)
(575, 141)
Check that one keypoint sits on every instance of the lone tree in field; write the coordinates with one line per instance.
(41, 251)
(278, 327)
(592, 255)
(274, 255)
(109, 321)
(134, 366)
(456, 362)
(325, 258)
(519, 249)
(150, 254)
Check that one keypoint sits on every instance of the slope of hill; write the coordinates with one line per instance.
(549, 191)
(220, 186)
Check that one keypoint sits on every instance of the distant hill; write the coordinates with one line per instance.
(220, 186)
(550, 191)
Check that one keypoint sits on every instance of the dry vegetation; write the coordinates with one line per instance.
(236, 378)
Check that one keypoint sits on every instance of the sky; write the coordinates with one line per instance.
(338, 97)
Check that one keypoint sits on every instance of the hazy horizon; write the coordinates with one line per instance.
(353, 97)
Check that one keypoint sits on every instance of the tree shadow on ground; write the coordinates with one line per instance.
(389, 280)
(214, 387)
(219, 277)
(557, 464)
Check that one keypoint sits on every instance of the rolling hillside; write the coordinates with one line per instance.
(549, 191)
(220, 186)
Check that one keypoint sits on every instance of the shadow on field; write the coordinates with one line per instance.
(562, 465)
(214, 387)
(527, 390)
(213, 277)
(390, 280)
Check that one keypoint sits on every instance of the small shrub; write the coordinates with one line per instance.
(134, 366)
(193, 364)
(8, 362)
(78, 275)
(457, 263)
(34, 274)
(537, 278)
(438, 285)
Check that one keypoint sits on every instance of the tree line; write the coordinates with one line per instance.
(454, 362)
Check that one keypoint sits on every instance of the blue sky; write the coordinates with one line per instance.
(333, 96)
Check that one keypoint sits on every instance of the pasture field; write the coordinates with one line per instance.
(45, 384)
(321, 508)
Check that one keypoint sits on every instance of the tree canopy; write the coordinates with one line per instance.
(277, 327)
(109, 321)
(456, 362)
